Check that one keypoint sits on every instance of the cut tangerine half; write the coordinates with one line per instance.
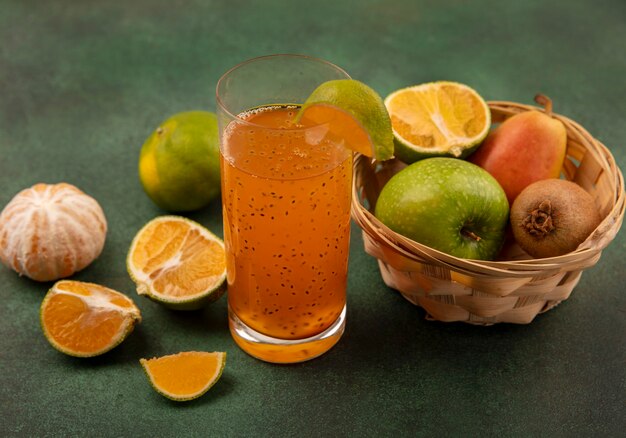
(177, 262)
(437, 119)
(86, 319)
(186, 375)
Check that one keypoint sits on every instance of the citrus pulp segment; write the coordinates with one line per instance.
(186, 375)
(86, 319)
(437, 119)
(177, 262)
(355, 114)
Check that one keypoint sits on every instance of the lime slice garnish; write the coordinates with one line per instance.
(355, 113)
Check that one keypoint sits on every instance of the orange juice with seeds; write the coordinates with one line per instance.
(286, 202)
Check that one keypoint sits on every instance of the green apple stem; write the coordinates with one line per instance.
(470, 234)
(545, 102)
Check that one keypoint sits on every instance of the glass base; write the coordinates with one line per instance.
(276, 350)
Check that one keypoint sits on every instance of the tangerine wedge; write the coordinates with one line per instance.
(86, 319)
(184, 376)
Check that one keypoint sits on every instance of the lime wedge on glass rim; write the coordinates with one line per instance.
(355, 113)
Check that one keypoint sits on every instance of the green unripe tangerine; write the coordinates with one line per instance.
(179, 164)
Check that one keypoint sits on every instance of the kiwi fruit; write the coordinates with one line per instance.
(552, 217)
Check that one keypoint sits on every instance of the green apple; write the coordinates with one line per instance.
(447, 204)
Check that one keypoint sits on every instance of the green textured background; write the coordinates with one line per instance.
(82, 84)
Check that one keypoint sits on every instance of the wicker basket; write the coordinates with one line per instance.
(514, 288)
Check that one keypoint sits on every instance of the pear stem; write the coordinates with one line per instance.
(545, 102)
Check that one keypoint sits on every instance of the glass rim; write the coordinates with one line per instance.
(236, 117)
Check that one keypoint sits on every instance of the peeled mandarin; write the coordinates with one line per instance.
(51, 231)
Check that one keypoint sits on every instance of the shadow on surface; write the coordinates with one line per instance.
(400, 335)
(210, 319)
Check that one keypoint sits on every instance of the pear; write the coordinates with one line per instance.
(527, 147)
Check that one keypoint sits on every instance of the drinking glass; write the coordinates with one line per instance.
(286, 192)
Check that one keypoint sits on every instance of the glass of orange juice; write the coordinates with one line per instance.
(286, 191)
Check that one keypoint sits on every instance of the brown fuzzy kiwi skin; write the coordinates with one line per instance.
(552, 217)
